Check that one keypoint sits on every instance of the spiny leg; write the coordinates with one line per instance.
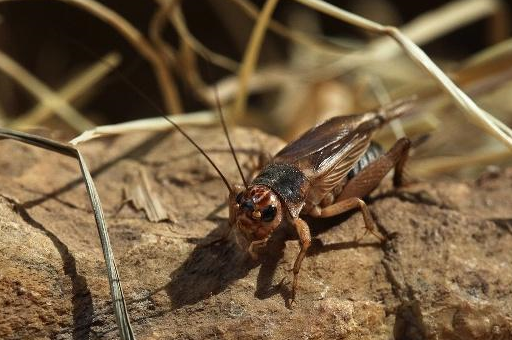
(305, 241)
(399, 151)
(349, 204)
(364, 182)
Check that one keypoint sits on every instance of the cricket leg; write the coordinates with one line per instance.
(400, 153)
(349, 204)
(366, 181)
(254, 246)
(305, 241)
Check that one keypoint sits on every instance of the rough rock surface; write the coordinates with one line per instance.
(445, 273)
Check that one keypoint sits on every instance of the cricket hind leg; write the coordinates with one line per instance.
(365, 181)
(349, 204)
(368, 178)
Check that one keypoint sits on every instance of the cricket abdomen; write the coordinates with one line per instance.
(373, 152)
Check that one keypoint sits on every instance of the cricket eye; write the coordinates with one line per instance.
(269, 213)
(247, 205)
(239, 197)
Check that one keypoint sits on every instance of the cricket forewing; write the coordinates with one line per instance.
(309, 168)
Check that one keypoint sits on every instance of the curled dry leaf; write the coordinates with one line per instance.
(139, 192)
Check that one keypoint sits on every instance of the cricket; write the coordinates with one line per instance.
(290, 178)
(325, 172)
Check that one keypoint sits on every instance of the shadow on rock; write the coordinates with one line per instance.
(269, 259)
(83, 309)
(208, 270)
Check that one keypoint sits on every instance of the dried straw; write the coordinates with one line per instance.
(473, 112)
(116, 291)
(71, 91)
(140, 43)
(45, 95)
(149, 124)
(251, 57)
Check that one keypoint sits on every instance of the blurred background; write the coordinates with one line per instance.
(90, 54)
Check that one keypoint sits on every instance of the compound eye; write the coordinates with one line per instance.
(269, 213)
(247, 205)
(239, 197)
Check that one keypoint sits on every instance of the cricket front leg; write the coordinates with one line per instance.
(254, 246)
(305, 241)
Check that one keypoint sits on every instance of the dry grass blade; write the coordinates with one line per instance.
(156, 27)
(178, 20)
(436, 166)
(251, 57)
(320, 45)
(71, 91)
(474, 113)
(436, 23)
(140, 43)
(501, 50)
(262, 80)
(121, 314)
(421, 30)
(132, 35)
(47, 97)
(148, 124)
(185, 59)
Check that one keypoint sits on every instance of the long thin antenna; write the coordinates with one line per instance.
(159, 109)
(200, 150)
(223, 122)
(162, 113)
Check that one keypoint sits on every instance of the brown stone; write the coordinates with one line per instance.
(445, 273)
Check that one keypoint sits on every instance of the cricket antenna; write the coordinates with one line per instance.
(223, 121)
(164, 115)
(200, 150)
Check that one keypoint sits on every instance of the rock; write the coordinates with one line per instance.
(445, 272)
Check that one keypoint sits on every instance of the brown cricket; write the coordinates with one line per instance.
(325, 172)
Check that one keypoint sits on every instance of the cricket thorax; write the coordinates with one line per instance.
(258, 212)
(288, 182)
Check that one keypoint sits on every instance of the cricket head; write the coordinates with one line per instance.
(255, 211)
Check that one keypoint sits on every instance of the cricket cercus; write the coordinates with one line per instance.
(325, 172)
